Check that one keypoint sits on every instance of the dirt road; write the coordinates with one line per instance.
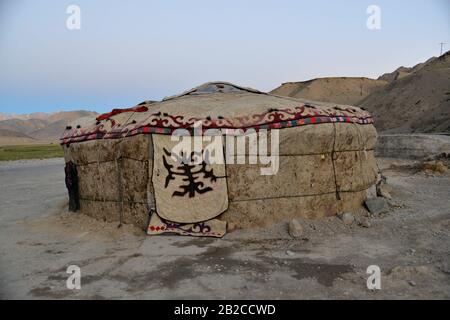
(39, 240)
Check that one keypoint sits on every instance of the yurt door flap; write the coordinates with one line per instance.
(188, 189)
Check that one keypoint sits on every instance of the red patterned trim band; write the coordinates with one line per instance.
(166, 124)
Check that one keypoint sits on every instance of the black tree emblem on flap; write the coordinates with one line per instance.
(191, 174)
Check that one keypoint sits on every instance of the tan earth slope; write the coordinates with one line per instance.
(404, 71)
(416, 102)
(340, 90)
(10, 137)
(35, 127)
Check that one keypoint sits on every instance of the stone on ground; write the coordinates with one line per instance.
(377, 205)
(383, 191)
(372, 192)
(347, 218)
(290, 253)
(295, 228)
(231, 227)
(435, 167)
(365, 223)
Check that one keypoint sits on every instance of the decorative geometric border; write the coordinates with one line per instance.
(158, 123)
(211, 228)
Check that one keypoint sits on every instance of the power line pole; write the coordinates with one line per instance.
(442, 46)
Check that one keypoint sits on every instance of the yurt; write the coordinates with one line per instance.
(122, 165)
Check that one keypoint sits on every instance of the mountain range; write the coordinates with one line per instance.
(415, 99)
(36, 127)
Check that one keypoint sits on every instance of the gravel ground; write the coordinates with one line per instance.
(410, 244)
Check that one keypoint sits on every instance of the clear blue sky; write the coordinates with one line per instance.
(130, 51)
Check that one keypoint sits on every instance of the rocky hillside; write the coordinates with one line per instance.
(409, 99)
(403, 71)
(415, 102)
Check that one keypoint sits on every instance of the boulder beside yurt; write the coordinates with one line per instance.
(125, 171)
